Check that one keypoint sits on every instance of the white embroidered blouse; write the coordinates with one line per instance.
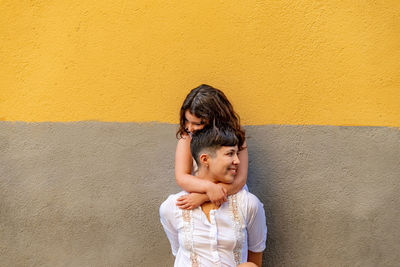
(236, 227)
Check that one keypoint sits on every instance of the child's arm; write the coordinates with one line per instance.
(183, 167)
(191, 201)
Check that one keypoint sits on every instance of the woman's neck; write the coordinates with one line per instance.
(206, 207)
(204, 174)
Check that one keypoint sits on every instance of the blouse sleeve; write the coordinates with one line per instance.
(256, 224)
(167, 217)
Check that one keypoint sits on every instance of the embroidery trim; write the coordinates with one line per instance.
(188, 242)
(238, 225)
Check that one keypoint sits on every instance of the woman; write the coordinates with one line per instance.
(230, 234)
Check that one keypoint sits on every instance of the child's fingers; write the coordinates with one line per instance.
(181, 202)
(225, 191)
(185, 207)
(181, 198)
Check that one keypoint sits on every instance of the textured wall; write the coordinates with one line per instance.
(82, 172)
(304, 62)
(87, 193)
(84, 194)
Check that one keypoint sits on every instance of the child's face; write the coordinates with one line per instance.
(193, 123)
(224, 164)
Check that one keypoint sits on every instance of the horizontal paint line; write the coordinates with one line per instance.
(168, 123)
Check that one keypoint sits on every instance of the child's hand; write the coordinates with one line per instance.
(217, 194)
(191, 201)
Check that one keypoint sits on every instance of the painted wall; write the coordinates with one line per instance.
(281, 62)
(89, 97)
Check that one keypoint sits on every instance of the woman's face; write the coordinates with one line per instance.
(193, 123)
(224, 164)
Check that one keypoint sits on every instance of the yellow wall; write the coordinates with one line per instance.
(283, 62)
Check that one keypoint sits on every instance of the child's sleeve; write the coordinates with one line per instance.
(256, 224)
(167, 217)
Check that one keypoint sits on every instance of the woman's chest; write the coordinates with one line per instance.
(220, 232)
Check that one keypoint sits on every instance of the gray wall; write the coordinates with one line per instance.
(87, 193)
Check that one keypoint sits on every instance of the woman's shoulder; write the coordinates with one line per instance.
(250, 201)
(169, 203)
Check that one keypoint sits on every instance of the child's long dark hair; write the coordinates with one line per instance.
(209, 103)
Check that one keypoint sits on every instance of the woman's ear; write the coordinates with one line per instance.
(204, 159)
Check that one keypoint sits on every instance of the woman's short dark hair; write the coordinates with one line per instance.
(210, 139)
(211, 104)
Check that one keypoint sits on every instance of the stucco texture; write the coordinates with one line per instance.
(279, 62)
(88, 193)
(89, 99)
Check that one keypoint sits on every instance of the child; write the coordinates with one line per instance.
(232, 234)
(203, 106)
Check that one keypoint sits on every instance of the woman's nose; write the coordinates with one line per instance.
(236, 160)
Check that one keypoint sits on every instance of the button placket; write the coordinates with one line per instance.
(214, 238)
